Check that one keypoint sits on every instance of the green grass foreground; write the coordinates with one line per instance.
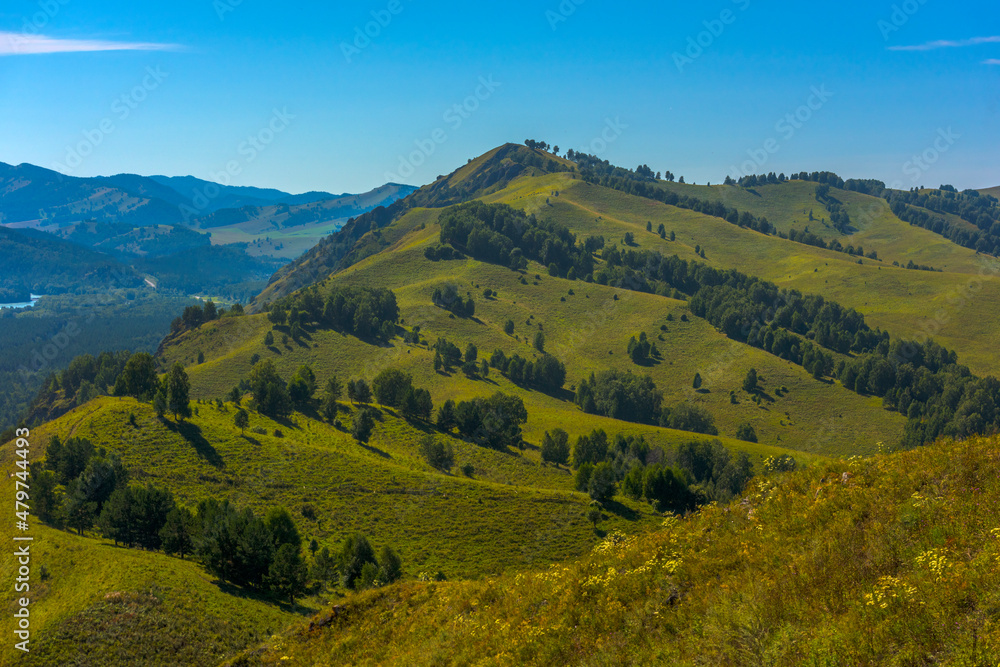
(891, 560)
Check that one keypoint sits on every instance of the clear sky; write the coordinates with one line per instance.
(293, 98)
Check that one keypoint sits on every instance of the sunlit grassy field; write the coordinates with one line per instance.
(886, 561)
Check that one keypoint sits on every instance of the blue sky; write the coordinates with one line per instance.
(238, 91)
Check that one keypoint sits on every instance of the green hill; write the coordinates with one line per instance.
(42, 264)
(954, 307)
(510, 514)
(813, 416)
(887, 560)
(365, 235)
(741, 340)
(97, 604)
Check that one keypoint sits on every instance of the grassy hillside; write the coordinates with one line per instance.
(778, 578)
(787, 206)
(97, 604)
(993, 192)
(383, 489)
(511, 513)
(959, 308)
(891, 560)
(372, 232)
(589, 331)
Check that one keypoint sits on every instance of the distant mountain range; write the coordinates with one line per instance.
(152, 223)
(40, 198)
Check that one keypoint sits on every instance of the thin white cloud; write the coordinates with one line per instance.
(18, 44)
(948, 44)
(992, 61)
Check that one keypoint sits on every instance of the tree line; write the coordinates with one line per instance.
(82, 487)
(677, 480)
(635, 398)
(500, 234)
(804, 329)
(603, 173)
(361, 311)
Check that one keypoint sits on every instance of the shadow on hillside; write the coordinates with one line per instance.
(252, 441)
(288, 423)
(764, 396)
(621, 511)
(192, 433)
(560, 394)
(260, 596)
(375, 450)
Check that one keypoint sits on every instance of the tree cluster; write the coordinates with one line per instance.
(642, 351)
(635, 398)
(394, 388)
(493, 422)
(545, 373)
(364, 312)
(500, 234)
(194, 316)
(449, 299)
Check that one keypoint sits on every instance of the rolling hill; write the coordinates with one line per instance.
(885, 560)
(736, 315)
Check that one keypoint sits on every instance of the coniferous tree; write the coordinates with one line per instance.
(176, 534)
(242, 420)
(178, 388)
(287, 573)
(324, 567)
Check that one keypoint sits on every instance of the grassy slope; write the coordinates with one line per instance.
(993, 192)
(959, 309)
(103, 605)
(787, 206)
(510, 514)
(814, 417)
(264, 242)
(890, 561)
